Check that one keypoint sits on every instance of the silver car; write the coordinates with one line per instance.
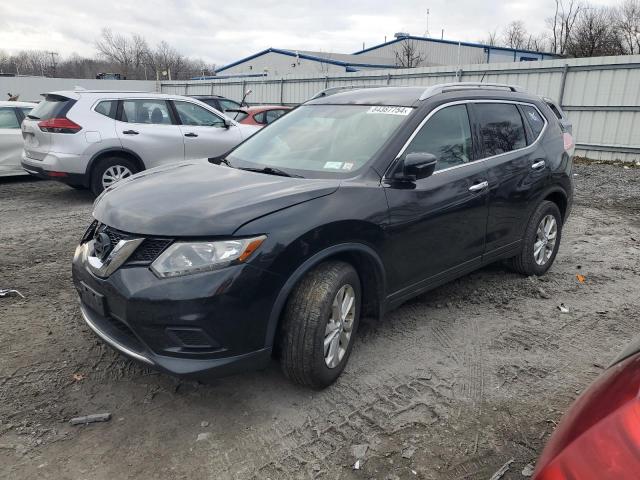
(11, 115)
(92, 139)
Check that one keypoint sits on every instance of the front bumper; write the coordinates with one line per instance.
(156, 321)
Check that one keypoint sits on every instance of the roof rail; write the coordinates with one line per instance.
(448, 87)
(333, 90)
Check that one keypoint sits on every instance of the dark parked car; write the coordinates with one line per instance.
(599, 438)
(221, 103)
(344, 208)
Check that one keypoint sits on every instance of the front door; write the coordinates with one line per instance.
(11, 143)
(205, 133)
(437, 224)
(147, 128)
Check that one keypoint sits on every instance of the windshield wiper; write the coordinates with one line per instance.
(272, 171)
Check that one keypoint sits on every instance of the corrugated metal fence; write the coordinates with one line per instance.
(601, 95)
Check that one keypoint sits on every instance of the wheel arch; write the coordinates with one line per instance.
(366, 262)
(560, 198)
(115, 151)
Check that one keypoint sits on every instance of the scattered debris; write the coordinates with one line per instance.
(356, 466)
(7, 291)
(408, 452)
(581, 278)
(543, 293)
(359, 451)
(316, 467)
(500, 473)
(562, 308)
(203, 436)
(204, 424)
(527, 471)
(97, 417)
(78, 377)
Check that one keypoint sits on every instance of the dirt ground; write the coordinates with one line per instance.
(452, 385)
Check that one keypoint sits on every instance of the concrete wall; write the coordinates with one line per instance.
(601, 95)
(30, 88)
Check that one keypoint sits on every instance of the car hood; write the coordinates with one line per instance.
(196, 199)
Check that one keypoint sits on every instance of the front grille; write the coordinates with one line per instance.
(149, 250)
(145, 254)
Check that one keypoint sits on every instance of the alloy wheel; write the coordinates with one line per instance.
(114, 174)
(337, 334)
(546, 238)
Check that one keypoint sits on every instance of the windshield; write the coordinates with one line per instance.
(321, 140)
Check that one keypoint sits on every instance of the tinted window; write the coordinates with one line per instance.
(8, 118)
(51, 107)
(146, 111)
(260, 117)
(534, 119)
(107, 108)
(192, 114)
(446, 135)
(273, 115)
(501, 128)
(228, 105)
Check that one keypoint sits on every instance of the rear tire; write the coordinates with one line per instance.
(108, 171)
(315, 317)
(537, 253)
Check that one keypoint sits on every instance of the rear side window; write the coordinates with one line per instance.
(260, 117)
(273, 115)
(447, 135)
(155, 112)
(107, 108)
(53, 106)
(8, 118)
(501, 128)
(534, 119)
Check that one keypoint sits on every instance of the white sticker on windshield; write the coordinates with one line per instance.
(390, 110)
(347, 166)
(333, 165)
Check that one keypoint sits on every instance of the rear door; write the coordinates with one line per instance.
(148, 128)
(205, 133)
(10, 141)
(516, 169)
(437, 224)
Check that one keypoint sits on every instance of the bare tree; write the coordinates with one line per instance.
(537, 43)
(127, 52)
(408, 54)
(594, 34)
(562, 22)
(628, 25)
(492, 39)
(515, 34)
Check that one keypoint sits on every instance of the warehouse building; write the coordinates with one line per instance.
(404, 51)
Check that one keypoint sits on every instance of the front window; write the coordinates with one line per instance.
(195, 115)
(321, 140)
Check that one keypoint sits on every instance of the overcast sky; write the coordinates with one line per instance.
(220, 32)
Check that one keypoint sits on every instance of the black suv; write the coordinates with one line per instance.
(344, 208)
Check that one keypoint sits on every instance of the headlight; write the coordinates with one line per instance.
(185, 258)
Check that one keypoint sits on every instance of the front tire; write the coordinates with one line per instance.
(110, 170)
(541, 241)
(319, 325)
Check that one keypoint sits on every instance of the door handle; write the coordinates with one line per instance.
(479, 186)
(538, 165)
(130, 132)
(191, 134)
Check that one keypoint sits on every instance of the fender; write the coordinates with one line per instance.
(306, 266)
(111, 150)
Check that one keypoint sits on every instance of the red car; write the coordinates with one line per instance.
(261, 115)
(599, 438)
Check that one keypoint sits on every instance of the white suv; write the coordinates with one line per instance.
(92, 139)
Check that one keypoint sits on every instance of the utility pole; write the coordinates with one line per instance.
(426, 34)
(53, 62)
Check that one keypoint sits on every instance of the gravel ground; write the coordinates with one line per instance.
(452, 385)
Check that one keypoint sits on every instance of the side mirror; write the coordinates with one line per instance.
(418, 165)
(227, 123)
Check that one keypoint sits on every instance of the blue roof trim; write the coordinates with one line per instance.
(453, 42)
(233, 75)
(305, 56)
